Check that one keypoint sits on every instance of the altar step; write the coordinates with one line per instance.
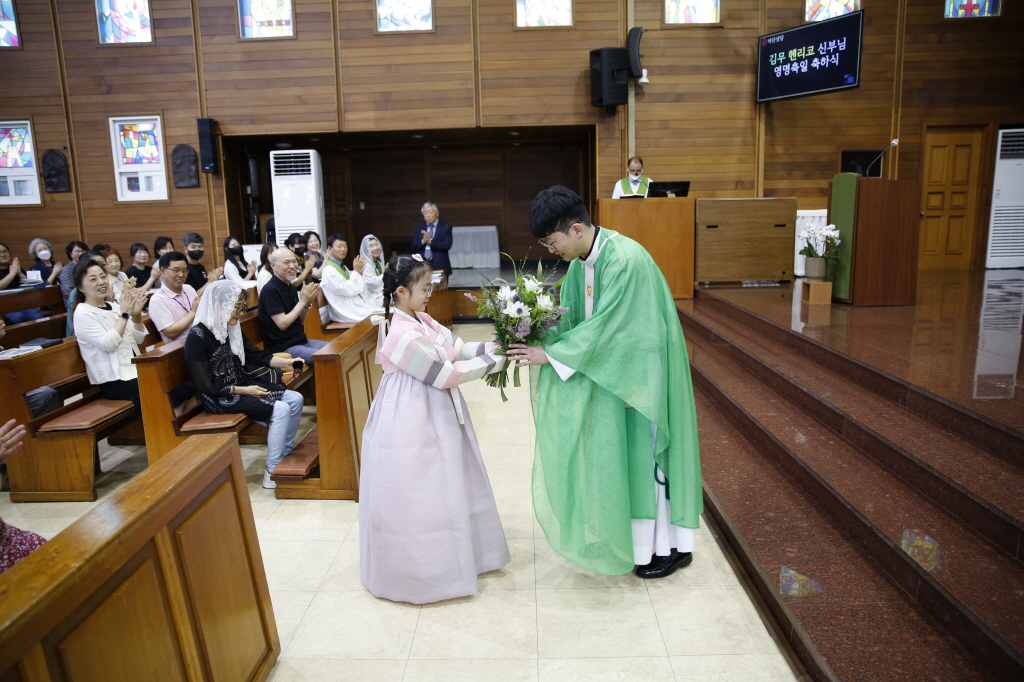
(887, 546)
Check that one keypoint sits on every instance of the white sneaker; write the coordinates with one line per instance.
(267, 482)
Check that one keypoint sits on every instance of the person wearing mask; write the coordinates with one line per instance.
(433, 238)
(235, 267)
(74, 250)
(173, 306)
(265, 272)
(314, 253)
(10, 278)
(197, 277)
(118, 279)
(42, 252)
(146, 276)
(372, 251)
(283, 309)
(218, 354)
(635, 184)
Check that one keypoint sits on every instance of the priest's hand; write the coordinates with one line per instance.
(524, 355)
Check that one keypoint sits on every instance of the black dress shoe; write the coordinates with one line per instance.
(663, 566)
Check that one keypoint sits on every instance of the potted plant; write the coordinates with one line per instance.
(820, 250)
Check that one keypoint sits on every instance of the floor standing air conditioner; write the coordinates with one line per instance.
(1006, 226)
(298, 185)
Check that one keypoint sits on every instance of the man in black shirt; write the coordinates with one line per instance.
(283, 310)
(197, 271)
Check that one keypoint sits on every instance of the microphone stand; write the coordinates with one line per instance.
(867, 171)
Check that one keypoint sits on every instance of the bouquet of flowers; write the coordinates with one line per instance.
(820, 241)
(522, 311)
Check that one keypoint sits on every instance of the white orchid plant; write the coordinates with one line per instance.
(523, 311)
(821, 241)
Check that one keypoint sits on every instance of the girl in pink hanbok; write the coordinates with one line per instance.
(428, 524)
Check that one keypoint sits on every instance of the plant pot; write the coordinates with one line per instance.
(814, 268)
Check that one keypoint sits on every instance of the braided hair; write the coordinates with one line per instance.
(401, 271)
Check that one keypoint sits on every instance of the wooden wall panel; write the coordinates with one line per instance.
(36, 94)
(270, 86)
(399, 82)
(122, 80)
(697, 120)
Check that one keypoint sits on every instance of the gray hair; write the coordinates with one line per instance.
(432, 205)
(36, 242)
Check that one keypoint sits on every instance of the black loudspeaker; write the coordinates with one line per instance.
(633, 45)
(207, 145)
(609, 76)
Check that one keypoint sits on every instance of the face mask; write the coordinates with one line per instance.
(196, 254)
(235, 250)
(44, 255)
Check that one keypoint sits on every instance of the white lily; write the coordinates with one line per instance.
(506, 293)
(516, 310)
(532, 285)
(544, 302)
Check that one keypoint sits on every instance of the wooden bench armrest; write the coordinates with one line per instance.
(33, 426)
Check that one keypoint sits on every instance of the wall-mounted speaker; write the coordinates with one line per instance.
(633, 46)
(207, 145)
(609, 77)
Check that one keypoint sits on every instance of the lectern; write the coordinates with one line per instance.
(662, 226)
(878, 222)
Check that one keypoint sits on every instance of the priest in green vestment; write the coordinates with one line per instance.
(616, 476)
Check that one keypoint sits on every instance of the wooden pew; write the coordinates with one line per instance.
(163, 369)
(49, 300)
(14, 300)
(317, 328)
(440, 305)
(325, 465)
(162, 581)
(57, 461)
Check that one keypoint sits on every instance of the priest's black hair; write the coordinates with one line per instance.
(556, 209)
(401, 271)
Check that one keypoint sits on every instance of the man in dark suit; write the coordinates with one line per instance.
(433, 238)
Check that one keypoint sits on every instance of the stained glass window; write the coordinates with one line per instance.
(124, 21)
(535, 13)
(139, 168)
(8, 25)
(819, 10)
(266, 18)
(691, 12)
(19, 183)
(405, 15)
(964, 9)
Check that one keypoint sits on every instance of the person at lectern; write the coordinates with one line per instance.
(433, 238)
(635, 184)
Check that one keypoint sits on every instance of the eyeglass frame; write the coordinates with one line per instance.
(551, 246)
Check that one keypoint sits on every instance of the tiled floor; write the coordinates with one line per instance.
(541, 618)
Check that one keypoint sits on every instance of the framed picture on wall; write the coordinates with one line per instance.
(405, 16)
(10, 35)
(140, 169)
(265, 19)
(19, 181)
(544, 14)
(124, 21)
(820, 10)
(691, 13)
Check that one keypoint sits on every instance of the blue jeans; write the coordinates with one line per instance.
(24, 316)
(283, 425)
(306, 351)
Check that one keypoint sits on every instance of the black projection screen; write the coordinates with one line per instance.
(810, 59)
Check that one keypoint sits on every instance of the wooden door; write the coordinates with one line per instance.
(337, 200)
(949, 198)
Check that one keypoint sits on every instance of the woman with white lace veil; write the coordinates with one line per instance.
(373, 252)
(226, 371)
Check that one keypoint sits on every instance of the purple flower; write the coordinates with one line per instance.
(523, 328)
(548, 324)
(560, 310)
(470, 296)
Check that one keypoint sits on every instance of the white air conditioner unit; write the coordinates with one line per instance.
(298, 186)
(1006, 225)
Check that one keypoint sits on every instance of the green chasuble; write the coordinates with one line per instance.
(593, 462)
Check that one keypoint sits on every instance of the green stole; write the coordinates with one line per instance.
(340, 267)
(594, 468)
(627, 189)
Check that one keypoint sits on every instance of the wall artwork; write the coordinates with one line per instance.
(405, 15)
(691, 12)
(15, 147)
(265, 19)
(18, 181)
(139, 143)
(184, 166)
(820, 10)
(54, 169)
(139, 169)
(541, 13)
(9, 36)
(969, 9)
(124, 21)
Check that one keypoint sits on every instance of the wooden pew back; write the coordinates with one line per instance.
(13, 301)
(163, 580)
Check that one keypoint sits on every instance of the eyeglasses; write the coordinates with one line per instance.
(550, 246)
(241, 306)
(178, 271)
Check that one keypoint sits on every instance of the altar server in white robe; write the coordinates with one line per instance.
(348, 299)
(371, 250)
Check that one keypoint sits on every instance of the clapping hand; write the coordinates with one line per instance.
(11, 434)
(426, 236)
(15, 265)
(309, 292)
(215, 274)
(251, 267)
(359, 264)
(129, 285)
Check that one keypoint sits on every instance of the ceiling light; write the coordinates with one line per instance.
(417, 137)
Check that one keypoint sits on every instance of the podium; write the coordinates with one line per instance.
(662, 226)
(878, 223)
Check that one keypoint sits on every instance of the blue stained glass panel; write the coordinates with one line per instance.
(969, 9)
(15, 148)
(8, 25)
(139, 143)
(124, 21)
(266, 18)
(819, 10)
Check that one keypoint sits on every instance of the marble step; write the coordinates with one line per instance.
(940, 562)
(844, 616)
(983, 490)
